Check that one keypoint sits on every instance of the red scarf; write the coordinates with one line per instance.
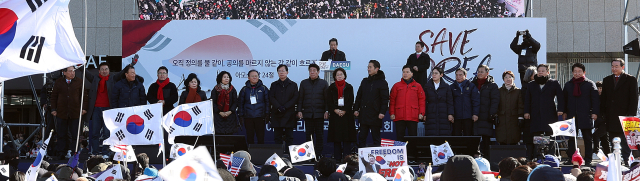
(480, 82)
(193, 96)
(103, 81)
(576, 86)
(160, 86)
(340, 85)
(223, 97)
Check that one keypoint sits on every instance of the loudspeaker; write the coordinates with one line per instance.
(152, 152)
(499, 152)
(261, 152)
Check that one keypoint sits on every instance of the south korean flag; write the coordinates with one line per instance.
(564, 128)
(196, 165)
(123, 153)
(32, 173)
(179, 149)
(440, 154)
(4, 170)
(276, 161)
(115, 172)
(139, 125)
(302, 152)
(403, 174)
(195, 119)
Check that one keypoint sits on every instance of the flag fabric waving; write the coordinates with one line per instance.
(193, 119)
(403, 174)
(113, 172)
(137, 125)
(179, 149)
(36, 37)
(614, 172)
(236, 163)
(226, 159)
(276, 161)
(341, 168)
(388, 142)
(123, 153)
(302, 152)
(32, 173)
(196, 165)
(602, 156)
(52, 178)
(440, 154)
(564, 128)
(427, 174)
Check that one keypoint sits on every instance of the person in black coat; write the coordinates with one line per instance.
(312, 107)
(169, 90)
(539, 104)
(192, 91)
(619, 98)
(527, 52)
(253, 107)
(600, 135)
(489, 102)
(419, 63)
(333, 53)
(283, 98)
(225, 104)
(466, 104)
(582, 104)
(439, 109)
(342, 127)
(129, 91)
(372, 103)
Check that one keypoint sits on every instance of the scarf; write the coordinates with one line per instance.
(541, 80)
(193, 96)
(223, 96)
(102, 85)
(340, 85)
(160, 86)
(481, 82)
(576, 86)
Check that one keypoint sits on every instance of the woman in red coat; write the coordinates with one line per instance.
(406, 104)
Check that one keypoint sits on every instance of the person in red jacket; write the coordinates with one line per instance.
(406, 104)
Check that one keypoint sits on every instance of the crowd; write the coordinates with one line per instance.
(318, 9)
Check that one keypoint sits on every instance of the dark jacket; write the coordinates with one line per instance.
(539, 103)
(326, 55)
(283, 94)
(489, 101)
(423, 67)
(583, 106)
(311, 98)
(531, 56)
(466, 99)
(230, 124)
(407, 101)
(372, 99)
(128, 94)
(65, 98)
(170, 92)
(461, 167)
(94, 79)
(439, 107)
(258, 110)
(619, 99)
(510, 108)
(185, 93)
(341, 129)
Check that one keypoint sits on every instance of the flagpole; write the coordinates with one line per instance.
(213, 122)
(164, 156)
(84, 72)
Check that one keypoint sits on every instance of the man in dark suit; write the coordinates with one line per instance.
(333, 53)
(65, 106)
(371, 164)
(419, 63)
(619, 98)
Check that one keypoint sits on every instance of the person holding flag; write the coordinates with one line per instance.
(65, 106)
(583, 104)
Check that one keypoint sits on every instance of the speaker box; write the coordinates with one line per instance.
(499, 152)
(261, 152)
(152, 152)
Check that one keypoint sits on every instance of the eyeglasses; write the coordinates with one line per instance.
(162, 73)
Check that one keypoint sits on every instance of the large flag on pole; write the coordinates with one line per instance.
(32, 173)
(196, 165)
(139, 125)
(564, 128)
(36, 36)
(193, 119)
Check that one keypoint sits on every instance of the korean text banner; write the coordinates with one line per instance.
(383, 160)
(207, 47)
(631, 128)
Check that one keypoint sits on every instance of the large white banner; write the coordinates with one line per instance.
(383, 160)
(206, 47)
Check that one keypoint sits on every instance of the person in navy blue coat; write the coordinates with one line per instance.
(466, 101)
(583, 104)
(253, 107)
(439, 109)
(539, 104)
(128, 91)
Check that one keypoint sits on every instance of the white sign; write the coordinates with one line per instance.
(383, 160)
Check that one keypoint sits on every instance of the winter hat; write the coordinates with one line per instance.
(577, 158)
(66, 173)
(545, 173)
(550, 160)
(295, 172)
(336, 176)
(246, 165)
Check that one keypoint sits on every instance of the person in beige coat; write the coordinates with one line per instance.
(511, 109)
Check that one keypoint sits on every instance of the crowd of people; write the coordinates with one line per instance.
(318, 9)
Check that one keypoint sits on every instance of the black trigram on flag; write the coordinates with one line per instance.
(148, 114)
(33, 6)
(44, 146)
(197, 127)
(149, 134)
(403, 172)
(114, 171)
(171, 129)
(196, 110)
(4, 171)
(33, 48)
(120, 135)
(119, 117)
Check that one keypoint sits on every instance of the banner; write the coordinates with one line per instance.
(36, 37)
(138, 125)
(193, 119)
(383, 160)
(440, 154)
(243, 45)
(631, 128)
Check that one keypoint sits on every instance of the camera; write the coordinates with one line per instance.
(541, 140)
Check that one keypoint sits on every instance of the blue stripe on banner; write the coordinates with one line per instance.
(281, 27)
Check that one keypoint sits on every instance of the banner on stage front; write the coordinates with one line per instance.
(383, 160)
(631, 128)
